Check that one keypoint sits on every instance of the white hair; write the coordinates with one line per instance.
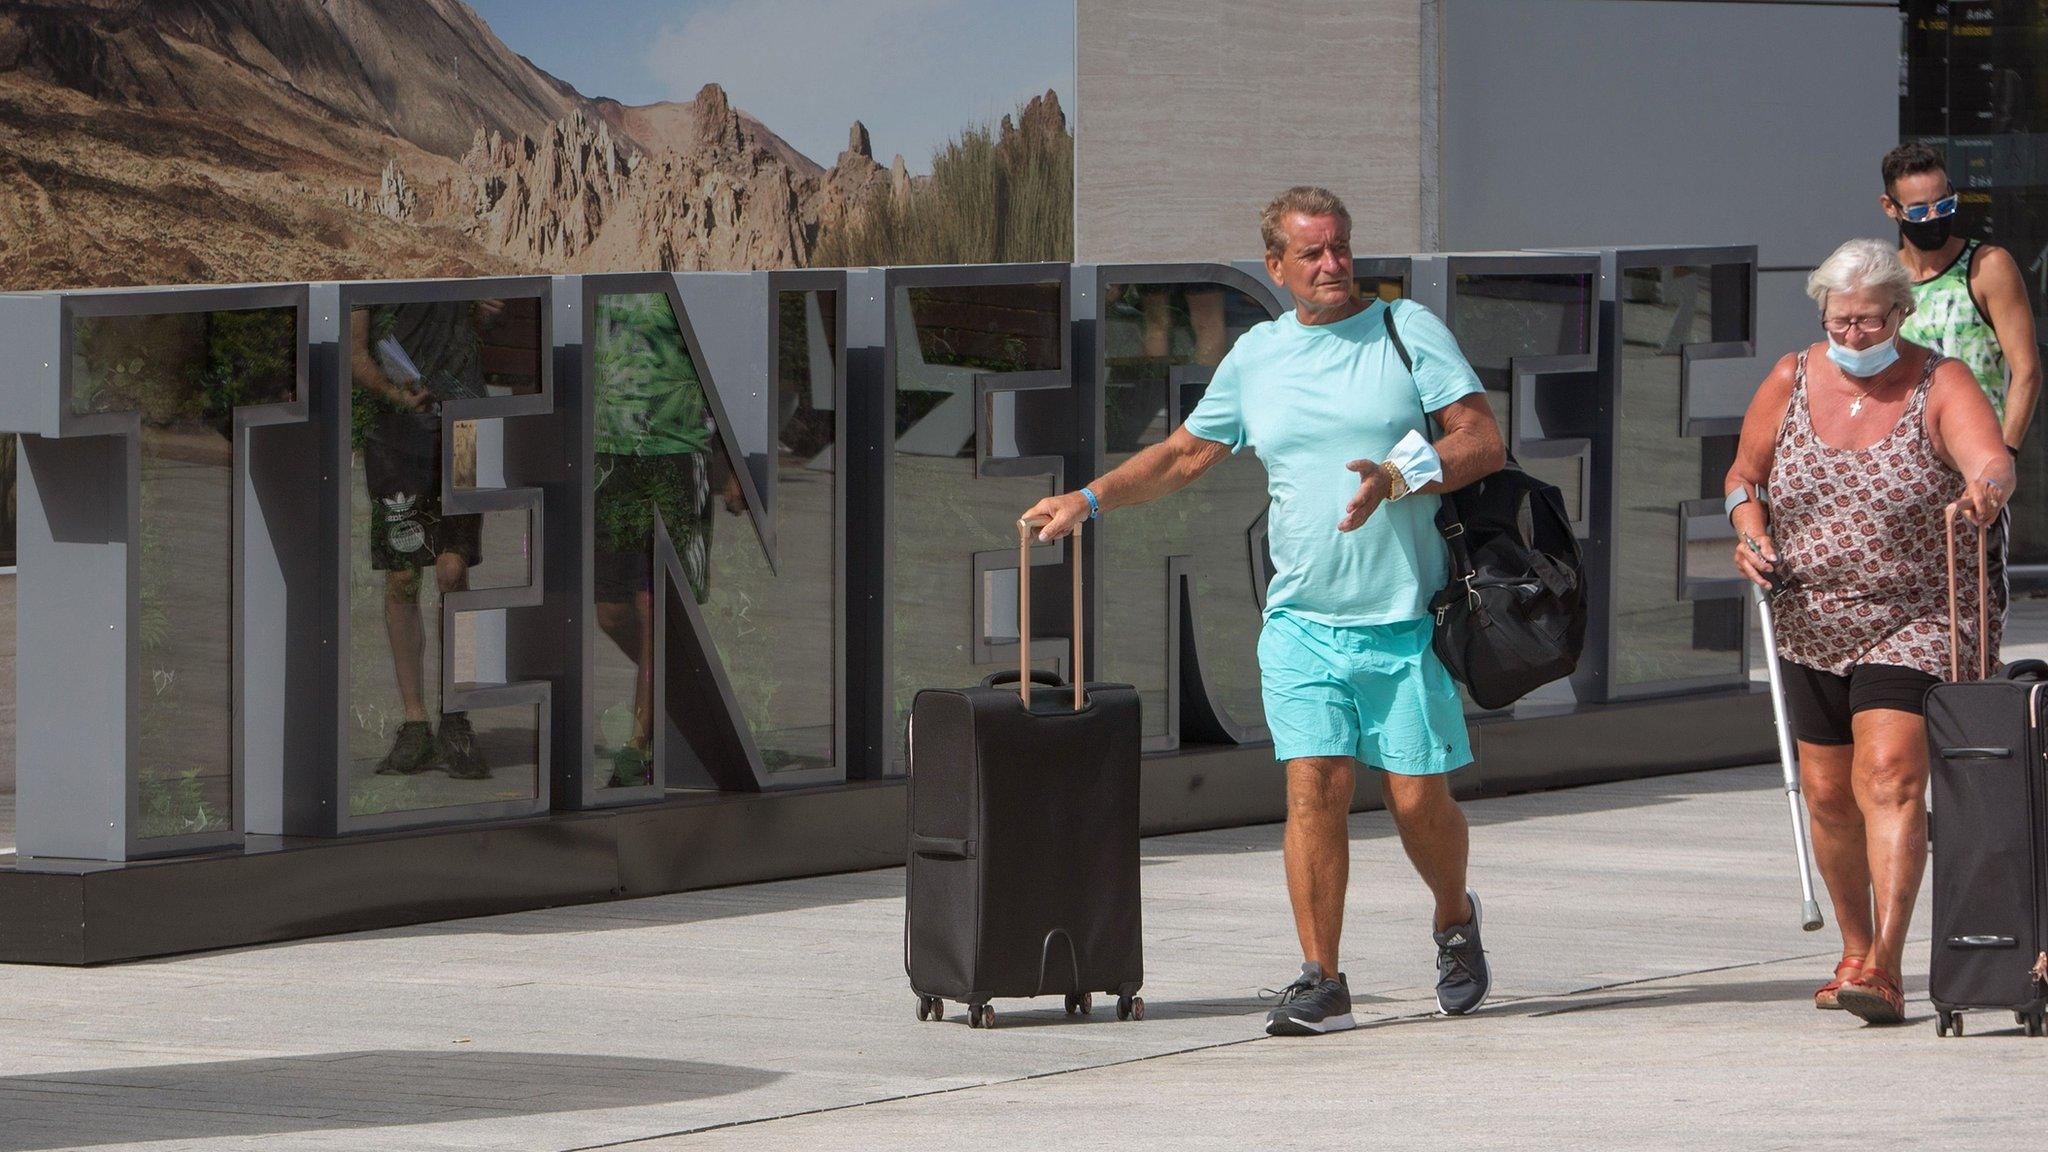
(1860, 265)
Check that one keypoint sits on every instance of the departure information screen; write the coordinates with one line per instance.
(1973, 81)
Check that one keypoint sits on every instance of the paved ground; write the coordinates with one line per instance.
(1652, 992)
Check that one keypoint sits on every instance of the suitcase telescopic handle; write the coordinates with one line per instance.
(1025, 529)
(1955, 651)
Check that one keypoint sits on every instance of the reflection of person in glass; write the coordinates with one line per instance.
(654, 458)
(1204, 305)
(406, 359)
(1345, 661)
(1862, 443)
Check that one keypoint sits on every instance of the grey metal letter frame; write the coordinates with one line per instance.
(77, 749)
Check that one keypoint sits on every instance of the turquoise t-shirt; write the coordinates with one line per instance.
(1310, 399)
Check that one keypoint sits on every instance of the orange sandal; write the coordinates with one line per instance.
(1874, 995)
(1824, 996)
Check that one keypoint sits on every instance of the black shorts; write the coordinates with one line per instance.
(618, 577)
(1821, 703)
(402, 470)
(631, 491)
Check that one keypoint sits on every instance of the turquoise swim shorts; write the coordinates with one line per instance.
(1374, 692)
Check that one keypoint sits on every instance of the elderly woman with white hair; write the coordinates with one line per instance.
(1862, 443)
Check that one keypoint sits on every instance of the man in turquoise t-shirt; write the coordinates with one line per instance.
(1347, 672)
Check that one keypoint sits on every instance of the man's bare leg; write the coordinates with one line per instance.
(408, 642)
(1434, 835)
(1317, 852)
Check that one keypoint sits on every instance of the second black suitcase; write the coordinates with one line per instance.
(1023, 862)
(1988, 761)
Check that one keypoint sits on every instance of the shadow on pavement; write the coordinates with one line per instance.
(1794, 994)
(339, 1091)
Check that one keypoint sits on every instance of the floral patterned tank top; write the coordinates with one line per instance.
(1864, 549)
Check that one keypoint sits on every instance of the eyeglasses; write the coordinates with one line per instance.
(1922, 213)
(1840, 325)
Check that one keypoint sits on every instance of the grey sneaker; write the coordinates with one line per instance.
(632, 767)
(459, 749)
(413, 751)
(1462, 977)
(1312, 1005)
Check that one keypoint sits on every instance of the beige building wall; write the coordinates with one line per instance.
(1193, 113)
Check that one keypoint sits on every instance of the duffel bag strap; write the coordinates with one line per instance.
(1447, 521)
(1550, 573)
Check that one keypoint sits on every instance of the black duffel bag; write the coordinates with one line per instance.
(1513, 617)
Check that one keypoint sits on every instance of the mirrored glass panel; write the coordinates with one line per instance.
(1160, 341)
(504, 739)
(943, 514)
(660, 458)
(1659, 637)
(409, 748)
(1372, 287)
(1497, 318)
(778, 632)
(507, 548)
(184, 375)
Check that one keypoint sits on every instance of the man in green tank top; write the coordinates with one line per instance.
(1970, 300)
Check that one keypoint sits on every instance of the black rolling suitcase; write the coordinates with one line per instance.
(1023, 863)
(1988, 759)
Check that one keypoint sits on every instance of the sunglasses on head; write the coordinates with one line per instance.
(1921, 213)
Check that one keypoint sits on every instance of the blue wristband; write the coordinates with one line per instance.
(1094, 505)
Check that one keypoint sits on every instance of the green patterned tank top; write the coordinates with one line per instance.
(1948, 320)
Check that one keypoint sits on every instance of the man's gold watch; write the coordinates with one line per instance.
(1397, 484)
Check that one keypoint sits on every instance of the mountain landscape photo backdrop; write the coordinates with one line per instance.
(226, 141)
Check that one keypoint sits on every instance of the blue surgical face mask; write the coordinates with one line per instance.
(1864, 362)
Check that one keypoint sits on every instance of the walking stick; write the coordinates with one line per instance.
(1788, 761)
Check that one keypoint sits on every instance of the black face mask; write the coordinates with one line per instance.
(1928, 234)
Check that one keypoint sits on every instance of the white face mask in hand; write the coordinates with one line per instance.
(1864, 362)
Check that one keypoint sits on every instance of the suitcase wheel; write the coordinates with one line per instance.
(931, 1008)
(1080, 1003)
(1946, 1022)
(2036, 1023)
(1130, 1007)
(981, 1016)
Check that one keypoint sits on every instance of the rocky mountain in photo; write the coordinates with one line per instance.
(424, 71)
(193, 141)
(718, 191)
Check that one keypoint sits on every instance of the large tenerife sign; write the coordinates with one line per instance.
(319, 559)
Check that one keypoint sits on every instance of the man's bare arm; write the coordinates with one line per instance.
(2004, 293)
(365, 372)
(1471, 448)
(1167, 466)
